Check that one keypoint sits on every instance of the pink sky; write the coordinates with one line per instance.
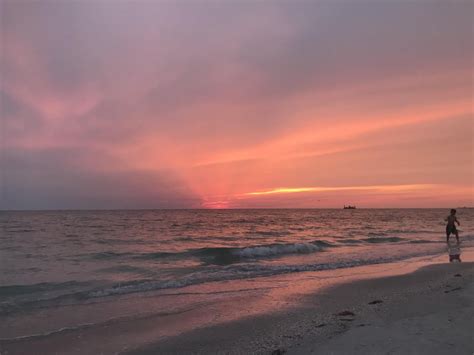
(186, 104)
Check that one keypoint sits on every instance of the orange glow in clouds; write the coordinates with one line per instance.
(169, 108)
(380, 188)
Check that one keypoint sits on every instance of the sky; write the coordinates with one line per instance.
(236, 104)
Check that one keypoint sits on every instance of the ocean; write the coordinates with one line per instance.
(51, 257)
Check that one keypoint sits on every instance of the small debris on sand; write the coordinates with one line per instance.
(454, 289)
(376, 302)
(321, 325)
(346, 313)
(278, 351)
(457, 275)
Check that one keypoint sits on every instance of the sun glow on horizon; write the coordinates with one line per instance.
(380, 196)
(215, 205)
(387, 188)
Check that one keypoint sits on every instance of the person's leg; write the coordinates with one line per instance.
(448, 233)
(457, 236)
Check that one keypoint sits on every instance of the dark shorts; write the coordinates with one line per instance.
(451, 229)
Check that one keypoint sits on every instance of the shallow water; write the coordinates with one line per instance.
(47, 257)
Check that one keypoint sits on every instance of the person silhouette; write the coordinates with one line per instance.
(451, 226)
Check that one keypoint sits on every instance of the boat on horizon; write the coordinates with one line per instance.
(349, 207)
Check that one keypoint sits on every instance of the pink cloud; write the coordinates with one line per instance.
(218, 100)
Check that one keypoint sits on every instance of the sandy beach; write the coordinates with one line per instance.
(429, 311)
(435, 317)
(423, 306)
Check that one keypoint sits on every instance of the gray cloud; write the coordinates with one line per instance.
(53, 179)
(88, 77)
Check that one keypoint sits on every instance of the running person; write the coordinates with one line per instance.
(451, 226)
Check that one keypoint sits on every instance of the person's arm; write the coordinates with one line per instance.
(457, 222)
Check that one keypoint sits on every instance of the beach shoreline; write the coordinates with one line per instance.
(297, 314)
(427, 311)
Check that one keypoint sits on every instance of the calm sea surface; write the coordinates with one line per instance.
(49, 256)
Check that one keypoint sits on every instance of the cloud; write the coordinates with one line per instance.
(222, 98)
(53, 179)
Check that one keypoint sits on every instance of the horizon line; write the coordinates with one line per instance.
(229, 209)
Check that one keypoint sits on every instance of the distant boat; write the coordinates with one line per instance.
(349, 207)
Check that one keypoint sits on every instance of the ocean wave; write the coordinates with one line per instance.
(278, 249)
(377, 234)
(184, 239)
(246, 220)
(20, 230)
(469, 237)
(425, 241)
(375, 240)
(106, 255)
(17, 290)
(380, 239)
(212, 273)
(120, 241)
(223, 255)
(350, 241)
(156, 255)
(241, 271)
(125, 269)
(409, 231)
(231, 255)
(384, 239)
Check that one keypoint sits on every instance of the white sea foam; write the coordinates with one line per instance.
(262, 251)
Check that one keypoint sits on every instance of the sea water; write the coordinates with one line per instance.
(49, 256)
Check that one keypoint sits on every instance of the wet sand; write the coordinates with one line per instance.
(429, 311)
(420, 307)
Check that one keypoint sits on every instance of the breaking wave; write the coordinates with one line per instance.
(225, 255)
(239, 271)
